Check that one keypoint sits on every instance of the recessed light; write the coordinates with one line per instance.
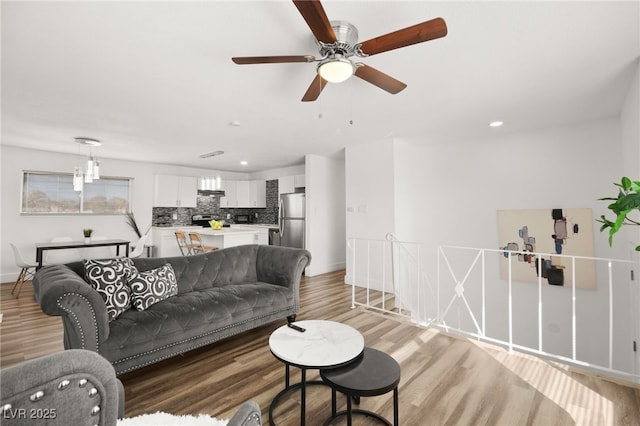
(496, 123)
(234, 123)
(244, 163)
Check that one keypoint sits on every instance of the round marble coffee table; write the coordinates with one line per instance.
(323, 345)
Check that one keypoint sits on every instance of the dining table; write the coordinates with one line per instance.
(42, 247)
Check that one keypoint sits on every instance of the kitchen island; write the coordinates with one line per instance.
(166, 245)
(228, 237)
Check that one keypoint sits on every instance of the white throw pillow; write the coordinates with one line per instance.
(110, 277)
(151, 287)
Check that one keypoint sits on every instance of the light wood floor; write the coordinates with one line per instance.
(445, 379)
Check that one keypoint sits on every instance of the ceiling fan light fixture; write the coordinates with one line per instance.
(336, 70)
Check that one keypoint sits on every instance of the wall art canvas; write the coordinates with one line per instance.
(543, 238)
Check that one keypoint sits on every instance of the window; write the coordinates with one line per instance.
(52, 193)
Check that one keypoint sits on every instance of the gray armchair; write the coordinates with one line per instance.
(75, 387)
(72, 387)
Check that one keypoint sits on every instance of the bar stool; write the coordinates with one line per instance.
(181, 237)
(196, 243)
(374, 373)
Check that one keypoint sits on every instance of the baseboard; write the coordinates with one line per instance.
(313, 269)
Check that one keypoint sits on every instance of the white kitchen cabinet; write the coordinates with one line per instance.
(261, 233)
(299, 181)
(175, 191)
(262, 236)
(244, 193)
(286, 185)
(230, 198)
(258, 193)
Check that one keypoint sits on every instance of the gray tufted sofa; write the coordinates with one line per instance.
(220, 294)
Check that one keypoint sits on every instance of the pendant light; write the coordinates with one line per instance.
(93, 166)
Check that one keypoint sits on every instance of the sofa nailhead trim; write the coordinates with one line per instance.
(36, 396)
(75, 317)
(63, 384)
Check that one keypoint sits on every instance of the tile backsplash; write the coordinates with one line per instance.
(210, 204)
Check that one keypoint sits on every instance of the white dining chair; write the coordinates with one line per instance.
(139, 247)
(27, 270)
(58, 257)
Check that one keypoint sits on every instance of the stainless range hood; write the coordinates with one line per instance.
(211, 192)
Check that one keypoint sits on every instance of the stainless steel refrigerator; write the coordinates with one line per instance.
(291, 220)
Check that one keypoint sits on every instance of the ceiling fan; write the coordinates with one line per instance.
(338, 43)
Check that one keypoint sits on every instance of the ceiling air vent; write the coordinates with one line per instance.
(211, 154)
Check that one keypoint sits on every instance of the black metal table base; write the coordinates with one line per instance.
(302, 385)
(357, 411)
(350, 411)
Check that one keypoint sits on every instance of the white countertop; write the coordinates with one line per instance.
(173, 228)
(226, 231)
(254, 225)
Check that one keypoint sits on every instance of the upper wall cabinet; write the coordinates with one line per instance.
(230, 198)
(258, 193)
(175, 191)
(244, 193)
(286, 185)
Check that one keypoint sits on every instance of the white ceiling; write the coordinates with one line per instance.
(155, 81)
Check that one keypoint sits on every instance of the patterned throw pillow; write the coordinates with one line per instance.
(109, 277)
(150, 287)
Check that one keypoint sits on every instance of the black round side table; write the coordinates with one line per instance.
(374, 373)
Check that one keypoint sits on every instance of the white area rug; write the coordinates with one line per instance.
(166, 419)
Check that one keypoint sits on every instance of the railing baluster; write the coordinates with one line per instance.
(484, 309)
(610, 315)
(384, 272)
(353, 274)
(368, 271)
(573, 308)
(540, 260)
(510, 308)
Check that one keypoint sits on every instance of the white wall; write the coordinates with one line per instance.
(276, 173)
(369, 179)
(448, 194)
(25, 230)
(630, 123)
(458, 187)
(325, 225)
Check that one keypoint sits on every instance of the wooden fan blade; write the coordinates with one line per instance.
(313, 13)
(378, 78)
(418, 33)
(247, 60)
(314, 89)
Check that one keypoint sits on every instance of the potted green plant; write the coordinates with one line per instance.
(87, 235)
(626, 204)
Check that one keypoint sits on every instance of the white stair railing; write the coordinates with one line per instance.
(590, 327)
